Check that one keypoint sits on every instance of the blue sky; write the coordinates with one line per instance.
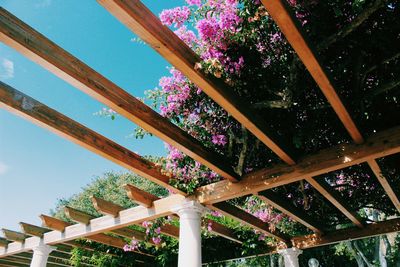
(36, 166)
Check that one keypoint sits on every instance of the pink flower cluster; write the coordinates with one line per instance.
(176, 16)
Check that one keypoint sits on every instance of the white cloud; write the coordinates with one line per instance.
(6, 69)
(3, 168)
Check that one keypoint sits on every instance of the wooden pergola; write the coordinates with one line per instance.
(16, 247)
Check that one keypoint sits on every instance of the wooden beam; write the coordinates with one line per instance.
(38, 48)
(32, 110)
(3, 242)
(102, 224)
(109, 208)
(370, 230)
(385, 183)
(379, 145)
(146, 199)
(248, 219)
(222, 230)
(53, 223)
(85, 218)
(293, 212)
(336, 199)
(290, 27)
(33, 230)
(10, 263)
(14, 236)
(139, 196)
(139, 19)
(77, 215)
(106, 207)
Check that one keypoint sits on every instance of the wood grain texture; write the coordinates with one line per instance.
(385, 183)
(370, 230)
(334, 197)
(341, 156)
(53, 223)
(3, 242)
(36, 112)
(289, 25)
(14, 235)
(248, 219)
(39, 49)
(139, 196)
(106, 207)
(289, 209)
(139, 19)
(33, 230)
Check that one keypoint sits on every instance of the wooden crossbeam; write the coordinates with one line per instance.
(248, 219)
(139, 19)
(342, 156)
(53, 223)
(32, 110)
(334, 197)
(14, 236)
(146, 199)
(385, 183)
(3, 242)
(77, 215)
(102, 224)
(139, 196)
(27, 258)
(38, 48)
(290, 27)
(10, 263)
(85, 218)
(370, 230)
(293, 212)
(222, 230)
(106, 207)
(33, 230)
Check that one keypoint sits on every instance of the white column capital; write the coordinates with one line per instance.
(291, 256)
(43, 249)
(294, 252)
(189, 207)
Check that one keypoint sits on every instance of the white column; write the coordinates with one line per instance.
(291, 256)
(189, 233)
(40, 255)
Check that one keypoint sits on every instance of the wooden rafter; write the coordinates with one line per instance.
(38, 48)
(334, 197)
(102, 224)
(222, 230)
(32, 110)
(288, 24)
(139, 19)
(33, 230)
(85, 218)
(146, 199)
(385, 183)
(3, 242)
(370, 230)
(379, 145)
(139, 196)
(106, 207)
(14, 235)
(287, 208)
(248, 219)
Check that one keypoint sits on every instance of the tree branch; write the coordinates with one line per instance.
(383, 88)
(352, 26)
